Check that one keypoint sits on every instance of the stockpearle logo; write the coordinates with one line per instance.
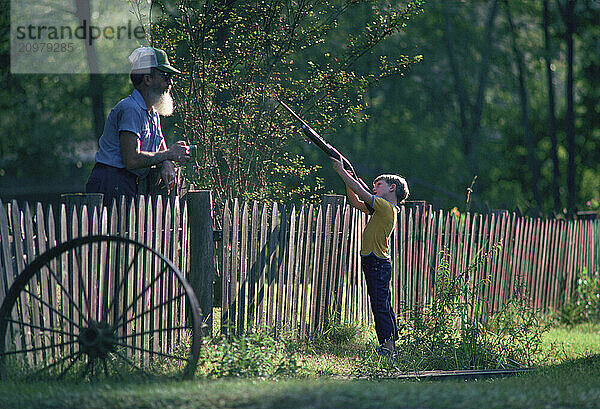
(75, 36)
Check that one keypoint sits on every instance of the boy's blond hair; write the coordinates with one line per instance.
(402, 191)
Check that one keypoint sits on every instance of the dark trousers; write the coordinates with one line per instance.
(378, 273)
(112, 182)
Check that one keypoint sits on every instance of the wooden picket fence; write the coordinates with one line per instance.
(295, 268)
(28, 232)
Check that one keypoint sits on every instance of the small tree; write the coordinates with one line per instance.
(237, 54)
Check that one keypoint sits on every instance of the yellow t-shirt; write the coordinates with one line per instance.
(377, 232)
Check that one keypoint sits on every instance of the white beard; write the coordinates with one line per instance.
(162, 103)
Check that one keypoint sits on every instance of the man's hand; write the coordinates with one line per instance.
(180, 152)
(168, 175)
(135, 158)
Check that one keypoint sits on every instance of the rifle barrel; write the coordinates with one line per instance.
(322, 144)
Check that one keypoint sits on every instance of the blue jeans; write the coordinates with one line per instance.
(112, 182)
(378, 273)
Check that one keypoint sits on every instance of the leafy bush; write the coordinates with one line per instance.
(254, 354)
(585, 304)
(237, 55)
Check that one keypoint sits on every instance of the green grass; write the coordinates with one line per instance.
(573, 384)
(580, 341)
(571, 381)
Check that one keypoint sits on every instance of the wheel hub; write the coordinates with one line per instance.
(97, 340)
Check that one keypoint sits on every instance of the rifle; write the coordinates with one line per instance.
(325, 147)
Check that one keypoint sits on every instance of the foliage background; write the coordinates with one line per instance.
(476, 104)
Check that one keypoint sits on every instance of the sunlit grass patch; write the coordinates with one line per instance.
(581, 340)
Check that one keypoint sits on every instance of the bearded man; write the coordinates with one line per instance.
(132, 146)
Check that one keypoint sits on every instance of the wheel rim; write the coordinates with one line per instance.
(99, 306)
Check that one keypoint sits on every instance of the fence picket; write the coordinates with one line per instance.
(289, 272)
(343, 262)
(401, 290)
(273, 240)
(412, 275)
(552, 274)
(253, 266)
(226, 273)
(33, 305)
(504, 268)
(280, 272)
(43, 275)
(7, 276)
(535, 255)
(326, 268)
(262, 267)
(426, 279)
(316, 274)
(235, 271)
(296, 291)
(243, 274)
(479, 270)
(20, 256)
(306, 273)
(161, 237)
(544, 268)
(559, 271)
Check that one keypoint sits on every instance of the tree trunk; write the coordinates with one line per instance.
(568, 15)
(459, 85)
(551, 109)
(529, 143)
(484, 70)
(83, 12)
(470, 114)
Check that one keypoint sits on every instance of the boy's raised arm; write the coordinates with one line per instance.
(355, 201)
(357, 195)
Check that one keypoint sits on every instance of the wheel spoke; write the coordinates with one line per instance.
(60, 314)
(55, 363)
(141, 294)
(60, 376)
(58, 331)
(113, 364)
(153, 308)
(65, 292)
(90, 365)
(150, 351)
(123, 281)
(129, 362)
(105, 367)
(152, 331)
(85, 297)
(24, 351)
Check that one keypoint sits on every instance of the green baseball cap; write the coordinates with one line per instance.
(144, 58)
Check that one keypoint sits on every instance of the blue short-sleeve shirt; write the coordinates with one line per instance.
(130, 114)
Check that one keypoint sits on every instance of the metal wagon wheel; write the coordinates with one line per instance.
(99, 306)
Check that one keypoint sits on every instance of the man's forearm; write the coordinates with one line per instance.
(145, 159)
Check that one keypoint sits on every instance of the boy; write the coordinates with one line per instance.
(388, 192)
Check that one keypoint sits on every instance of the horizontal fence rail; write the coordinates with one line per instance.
(295, 268)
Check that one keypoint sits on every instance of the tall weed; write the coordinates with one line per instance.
(451, 333)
